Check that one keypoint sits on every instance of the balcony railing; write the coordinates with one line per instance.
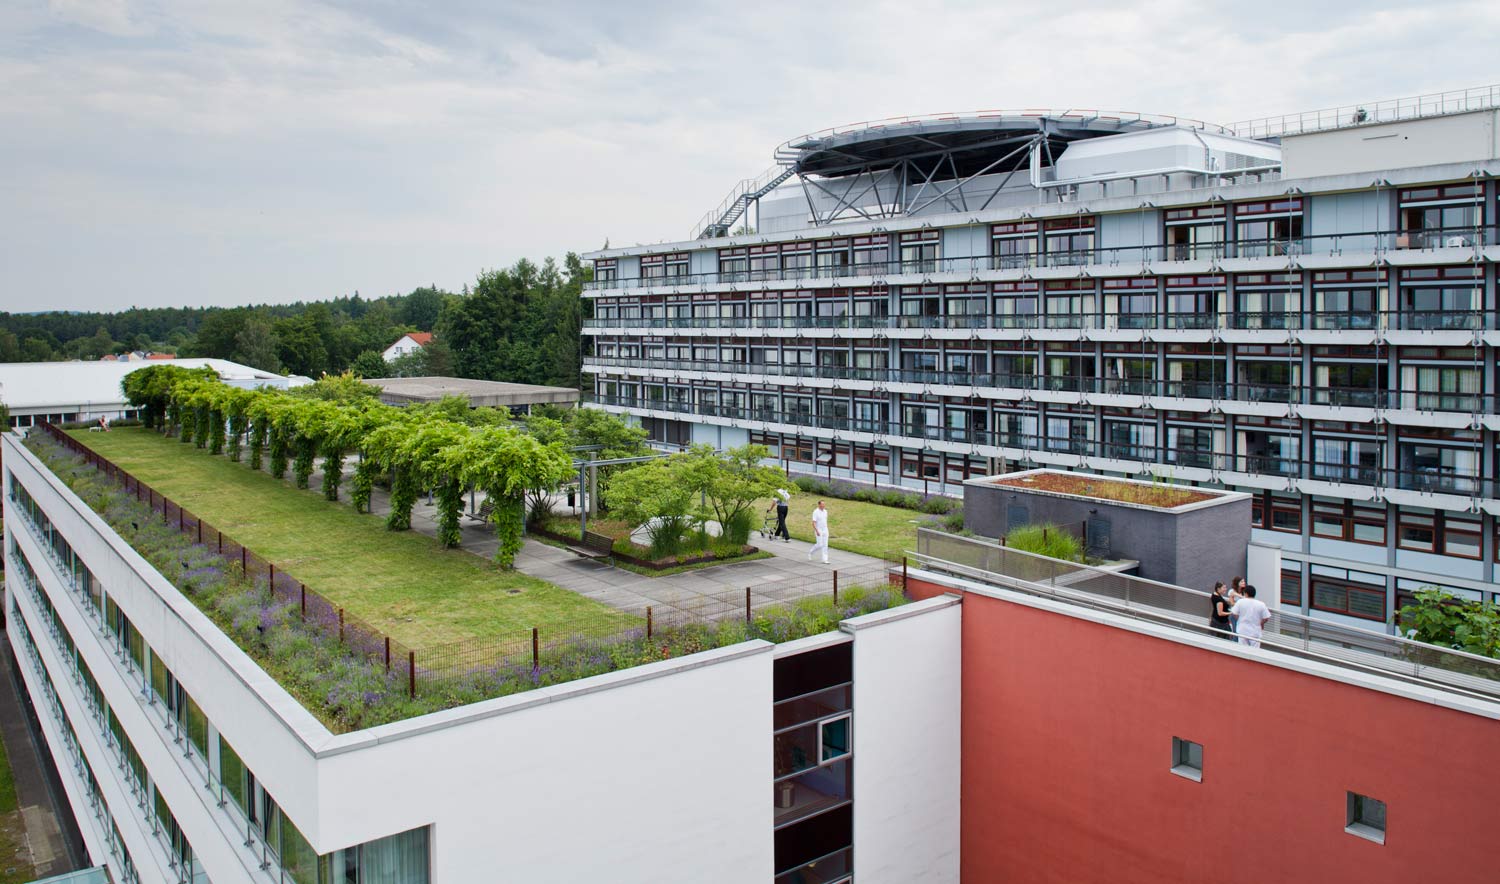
(1431, 480)
(1208, 391)
(1332, 245)
(1405, 320)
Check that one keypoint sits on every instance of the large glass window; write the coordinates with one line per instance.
(1195, 233)
(1069, 240)
(1268, 228)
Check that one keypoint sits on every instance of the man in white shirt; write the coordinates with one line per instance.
(1251, 615)
(820, 532)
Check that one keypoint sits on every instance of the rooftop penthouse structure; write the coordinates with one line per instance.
(1300, 308)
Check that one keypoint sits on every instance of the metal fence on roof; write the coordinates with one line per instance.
(987, 562)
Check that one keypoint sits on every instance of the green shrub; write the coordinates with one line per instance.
(1046, 540)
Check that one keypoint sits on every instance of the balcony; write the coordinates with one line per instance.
(1326, 248)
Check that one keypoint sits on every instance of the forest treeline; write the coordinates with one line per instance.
(519, 324)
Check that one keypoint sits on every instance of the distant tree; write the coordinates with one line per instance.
(439, 359)
(255, 345)
(218, 334)
(422, 307)
(299, 345)
(370, 364)
(10, 346)
(35, 350)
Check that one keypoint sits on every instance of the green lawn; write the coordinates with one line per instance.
(859, 527)
(399, 582)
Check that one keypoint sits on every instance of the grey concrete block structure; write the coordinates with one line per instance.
(1193, 544)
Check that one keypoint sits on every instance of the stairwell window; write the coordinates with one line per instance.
(1365, 817)
(1187, 759)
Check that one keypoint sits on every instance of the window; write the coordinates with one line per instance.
(1267, 228)
(1187, 759)
(1342, 596)
(833, 739)
(1291, 587)
(1364, 816)
(1196, 233)
(1069, 240)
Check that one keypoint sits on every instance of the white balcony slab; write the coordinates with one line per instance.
(1181, 335)
(999, 334)
(1433, 338)
(1426, 257)
(1452, 502)
(1072, 271)
(1194, 267)
(1255, 335)
(1261, 409)
(1116, 271)
(1411, 417)
(1063, 397)
(1115, 465)
(1116, 335)
(1057, 458)
(1351, 337)
(1179, 473)
(1336, 413)
(1343, 490)
(1116, 400)
(1169, 403)
(1493, 508)
(1336, 260)
(1256, 480)
(1269, 264)
(1490, 421)
(1056, 334)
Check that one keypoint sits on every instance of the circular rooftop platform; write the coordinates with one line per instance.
(959, 145)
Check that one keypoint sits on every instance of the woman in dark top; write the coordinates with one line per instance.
(1218, 618)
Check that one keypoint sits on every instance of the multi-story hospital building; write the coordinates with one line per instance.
(1302, 307)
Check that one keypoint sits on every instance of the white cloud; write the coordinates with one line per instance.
(185, 152)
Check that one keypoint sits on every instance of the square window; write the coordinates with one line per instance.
(1187, 759)
(1364, 816)
(833, 739)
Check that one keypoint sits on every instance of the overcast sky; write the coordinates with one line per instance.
(181, 153)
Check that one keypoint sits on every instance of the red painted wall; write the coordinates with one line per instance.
(1067, 735)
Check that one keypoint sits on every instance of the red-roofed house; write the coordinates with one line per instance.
(408, 344)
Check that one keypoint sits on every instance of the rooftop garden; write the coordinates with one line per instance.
(345, 688)
(1153, 494)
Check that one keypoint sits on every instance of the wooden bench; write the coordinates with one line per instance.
(594, 545)
(486, 510)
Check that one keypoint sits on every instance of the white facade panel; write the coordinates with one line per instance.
(907, 742)
(1423, 142)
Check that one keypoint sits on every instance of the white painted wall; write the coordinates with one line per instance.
(1263, 571)
(653, 774)
(1451, 139)
(907, 738)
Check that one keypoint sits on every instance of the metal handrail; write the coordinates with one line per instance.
(1377, 242)
(1370, 113)
(1186, 608)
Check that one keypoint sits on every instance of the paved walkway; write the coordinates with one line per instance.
(704, 592)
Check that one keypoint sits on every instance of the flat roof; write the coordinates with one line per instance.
(57, 386)
(404, 391)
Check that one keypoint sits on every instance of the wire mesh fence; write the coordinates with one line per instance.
(671, 619)
(1189, 608)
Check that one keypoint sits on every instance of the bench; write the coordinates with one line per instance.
(594, 545)
(486, 510)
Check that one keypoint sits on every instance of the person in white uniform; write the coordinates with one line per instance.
(820, 531)
(1251, 615)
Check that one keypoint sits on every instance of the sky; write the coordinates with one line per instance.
(170, 153)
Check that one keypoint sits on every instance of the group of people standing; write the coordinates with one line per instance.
(1237, 612)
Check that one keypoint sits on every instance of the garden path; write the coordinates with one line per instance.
(713, 591)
